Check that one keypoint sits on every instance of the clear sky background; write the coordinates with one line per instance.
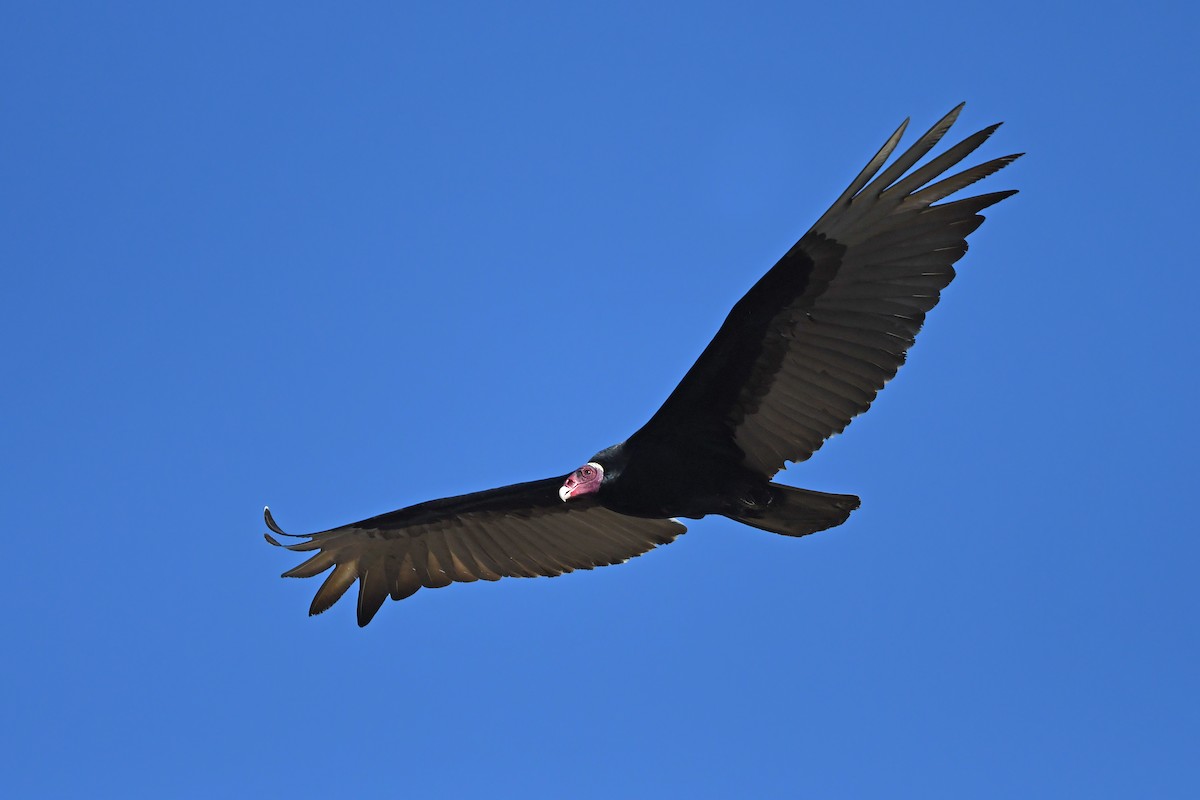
(344, 258)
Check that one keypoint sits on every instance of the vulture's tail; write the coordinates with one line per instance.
(797, 512)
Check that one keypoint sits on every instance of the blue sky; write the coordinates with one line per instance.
(339, 260)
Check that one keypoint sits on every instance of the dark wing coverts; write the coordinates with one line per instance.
(812, 343)
(518, 531)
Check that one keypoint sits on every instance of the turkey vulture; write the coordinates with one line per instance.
(803, 353)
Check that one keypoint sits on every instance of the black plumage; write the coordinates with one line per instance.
(804, 352)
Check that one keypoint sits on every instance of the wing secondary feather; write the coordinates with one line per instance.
(518, 531)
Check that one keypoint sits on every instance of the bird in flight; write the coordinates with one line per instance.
(803, 353)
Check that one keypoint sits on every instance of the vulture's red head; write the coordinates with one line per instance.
(584, 480)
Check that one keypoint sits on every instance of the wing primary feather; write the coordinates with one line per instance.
(372, 591)
(301, 547)
(863, 177)
(313, 566)
(860, 219)
(270, 520)
(341, 579)
(943, 162)
(913, 154)
(948, 186)
(973, 205)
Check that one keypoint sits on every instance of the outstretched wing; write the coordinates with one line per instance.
(518, 531)
(812, 343)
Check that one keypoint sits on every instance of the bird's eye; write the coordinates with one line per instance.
(587, 473)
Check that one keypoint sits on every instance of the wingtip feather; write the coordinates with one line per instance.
(270, 520)
(274, 526)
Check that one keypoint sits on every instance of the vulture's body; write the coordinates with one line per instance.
(804, 352)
